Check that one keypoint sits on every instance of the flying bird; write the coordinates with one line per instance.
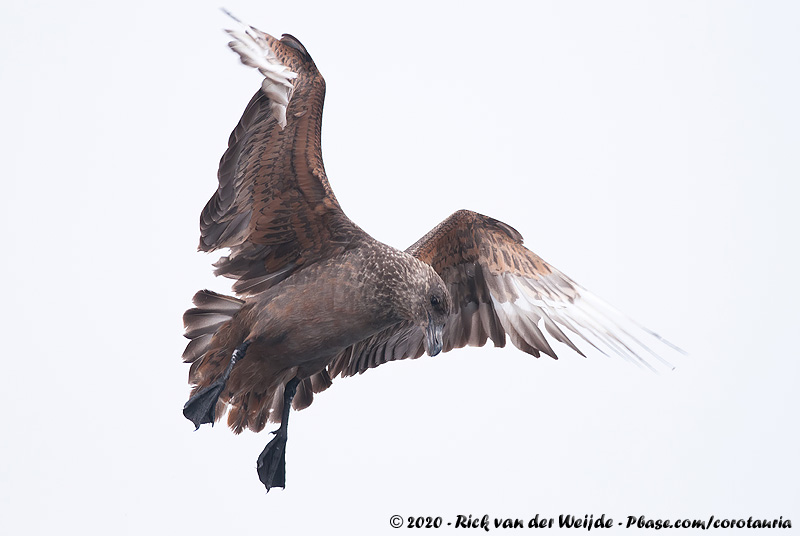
(319, 298)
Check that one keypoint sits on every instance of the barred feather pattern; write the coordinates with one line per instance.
(500, 289)
(255, 49)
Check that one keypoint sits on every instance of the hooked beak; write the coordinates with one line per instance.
(433, 338)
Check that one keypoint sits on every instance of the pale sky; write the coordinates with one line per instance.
(649, 150)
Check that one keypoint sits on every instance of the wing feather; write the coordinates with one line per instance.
(501, 289)
(274, 208)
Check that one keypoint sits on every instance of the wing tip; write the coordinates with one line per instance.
(255, 49)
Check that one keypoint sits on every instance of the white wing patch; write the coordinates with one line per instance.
(542, 304)
(254, 51)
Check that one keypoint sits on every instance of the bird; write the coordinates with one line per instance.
(318, 298)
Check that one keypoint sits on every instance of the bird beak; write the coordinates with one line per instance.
(433, 338)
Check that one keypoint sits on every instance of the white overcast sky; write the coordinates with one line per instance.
(647, 149)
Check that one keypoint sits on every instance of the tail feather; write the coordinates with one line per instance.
(254, 395)
(212, 311)
(306, 389)
(197, 347)
(218, 303)
(202, 323)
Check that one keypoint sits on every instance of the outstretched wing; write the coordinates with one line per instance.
(274, 207)
(502, 289)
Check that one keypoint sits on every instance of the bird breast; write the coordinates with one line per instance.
(312, 316)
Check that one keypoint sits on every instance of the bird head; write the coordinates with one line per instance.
(431, 311)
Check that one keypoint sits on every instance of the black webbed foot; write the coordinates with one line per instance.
(271, 465)
(200, 407)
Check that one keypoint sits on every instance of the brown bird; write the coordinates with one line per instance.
(320, 298)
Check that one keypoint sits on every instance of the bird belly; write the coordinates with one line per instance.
(305, 326)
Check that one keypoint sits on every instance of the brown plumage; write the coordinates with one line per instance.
(320, 298)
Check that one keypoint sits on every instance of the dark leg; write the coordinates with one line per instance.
(200, 408)
(271, 464)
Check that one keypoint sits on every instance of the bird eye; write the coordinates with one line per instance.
(435, 301)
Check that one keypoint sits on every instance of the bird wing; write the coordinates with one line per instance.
(274, 207)
(500, 289)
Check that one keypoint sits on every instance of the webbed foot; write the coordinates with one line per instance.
(271, 465)
(200, 407)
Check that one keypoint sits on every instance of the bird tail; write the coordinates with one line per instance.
(212, 311)
(213, 338)
(254, 395)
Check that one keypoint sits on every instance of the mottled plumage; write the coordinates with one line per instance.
(320, 298)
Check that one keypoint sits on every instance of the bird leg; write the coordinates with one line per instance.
(271, 464)
(200, 407)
